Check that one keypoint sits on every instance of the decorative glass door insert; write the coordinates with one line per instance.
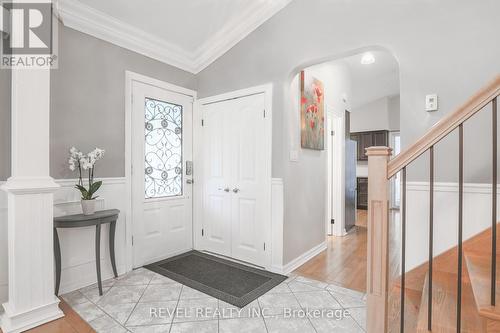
(162, 149)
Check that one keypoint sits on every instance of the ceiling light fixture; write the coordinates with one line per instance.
(367, 59)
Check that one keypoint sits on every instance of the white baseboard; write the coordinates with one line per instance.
(302, 259)
(15, 322)
(77, 277)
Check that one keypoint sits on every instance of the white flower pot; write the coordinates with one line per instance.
(88, 207)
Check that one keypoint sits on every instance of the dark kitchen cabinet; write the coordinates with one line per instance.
(380, 138)
(362, 193)
(369, 139)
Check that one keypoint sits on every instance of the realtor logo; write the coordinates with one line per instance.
(28, 34)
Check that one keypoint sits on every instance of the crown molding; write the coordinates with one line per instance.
(236, 30)
(88, 20)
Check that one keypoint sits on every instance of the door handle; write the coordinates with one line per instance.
(189, 181)
(225, 189)
(236, 190)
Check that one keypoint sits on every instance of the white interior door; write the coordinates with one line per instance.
(237, 178)
(217, 178)
(249, 187)
(161, 189)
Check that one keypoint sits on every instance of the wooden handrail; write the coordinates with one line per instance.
(445, 126)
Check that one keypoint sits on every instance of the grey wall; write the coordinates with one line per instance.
(376, 115)
(5, 89)
(88, 99)
(393, 106)
(446, 47)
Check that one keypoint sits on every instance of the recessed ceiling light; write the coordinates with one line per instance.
(367, 59)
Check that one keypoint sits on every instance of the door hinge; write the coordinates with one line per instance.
(202, 122)
(264, 113)
(264, 246)
(132, 240)
(202, 232)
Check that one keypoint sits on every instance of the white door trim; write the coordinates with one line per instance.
(394, 184)
(266, 89)
(337, 175)
(130, 77)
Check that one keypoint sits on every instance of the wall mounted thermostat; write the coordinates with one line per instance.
(431, 102)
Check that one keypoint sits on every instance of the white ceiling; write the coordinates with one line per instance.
(189, 34)
(374, 81)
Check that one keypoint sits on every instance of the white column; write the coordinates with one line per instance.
(30, 206)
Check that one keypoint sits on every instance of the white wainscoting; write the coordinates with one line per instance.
(4, 265)
(476, 217)
(277, 220)
(77, 245)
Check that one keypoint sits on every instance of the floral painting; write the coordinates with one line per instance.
(312, 112)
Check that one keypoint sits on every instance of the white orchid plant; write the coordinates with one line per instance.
(86, 164)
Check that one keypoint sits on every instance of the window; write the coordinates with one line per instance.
(162, 149)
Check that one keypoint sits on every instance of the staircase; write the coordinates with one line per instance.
(457, 291)
(475, 283)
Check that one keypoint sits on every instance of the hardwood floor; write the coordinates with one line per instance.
(70, 323)
(343, 263)
(362, 218)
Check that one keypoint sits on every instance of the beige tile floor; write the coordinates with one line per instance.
(145, 302)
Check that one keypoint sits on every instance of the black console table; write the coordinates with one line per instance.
(77, 221)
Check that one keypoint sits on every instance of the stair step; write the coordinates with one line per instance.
(412, 304)
(481, 244)
(444, 306)
(479, 268)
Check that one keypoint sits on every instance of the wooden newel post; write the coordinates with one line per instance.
(378, 239)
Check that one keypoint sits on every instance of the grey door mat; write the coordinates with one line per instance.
(228, 281)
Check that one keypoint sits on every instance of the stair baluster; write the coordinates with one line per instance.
(494, 205)
(460, 222)
(431, 234)
(403, 251)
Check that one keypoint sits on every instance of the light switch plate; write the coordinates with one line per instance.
(294, 155)
(431, 102)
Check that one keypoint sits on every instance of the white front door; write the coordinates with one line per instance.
(161, 186)
(236, 178)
